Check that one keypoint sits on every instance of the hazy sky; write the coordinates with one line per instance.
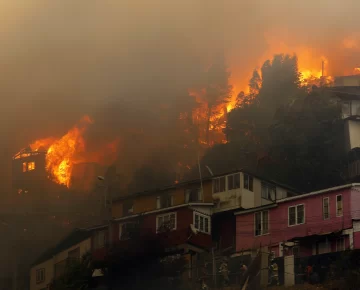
(61, 59)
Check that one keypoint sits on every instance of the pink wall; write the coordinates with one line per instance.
(279, 230)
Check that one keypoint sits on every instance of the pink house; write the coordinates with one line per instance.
(313, 223)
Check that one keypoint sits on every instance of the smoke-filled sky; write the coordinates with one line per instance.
(61, 59)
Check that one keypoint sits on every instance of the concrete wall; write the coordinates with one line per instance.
(279, 230)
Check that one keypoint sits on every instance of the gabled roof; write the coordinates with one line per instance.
(75, 237)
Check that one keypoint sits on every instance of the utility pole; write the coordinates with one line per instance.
(214, 267)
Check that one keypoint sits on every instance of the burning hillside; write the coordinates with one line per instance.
(65, 152)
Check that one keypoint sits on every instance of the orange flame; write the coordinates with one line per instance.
(64, 153)
(60, 155)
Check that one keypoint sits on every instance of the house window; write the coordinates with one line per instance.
(166, 222)
(128, 207)
(233, 181)
(40, 275)
(164, 201)
(126, 230)
(296, 215)
(24, 167)
(261, 223)
(248, 182)
(99, 239)
(219, 184)
(340, 244)
(339, 205)
(59, 269)
(346, 109)
(74, 255)
(268, 191)
(326, 213)
(193, 195)
(31, 166)
(202, 222)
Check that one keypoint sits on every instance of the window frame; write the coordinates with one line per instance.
(31, 166)
(218, 179)
(328, 208)
(296, 215)
(233, 176)
(96, 245)
(128, 210)
(350, 109)
(336, 206)
(342, 239)
(268, 187)
(163, 215)
(262, 223)
(24, 167)
(121, 229)
(195, 213)
(188, 194)
(249, 178)
(38, 277)
(159, 200)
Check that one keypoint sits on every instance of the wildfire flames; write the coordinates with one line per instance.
(313, 68)
(70, 149)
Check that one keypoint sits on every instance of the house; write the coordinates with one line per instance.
(314, 223)
(347, 89)
(192, 216)
(237, 191)
(52, 263)
(178, 217)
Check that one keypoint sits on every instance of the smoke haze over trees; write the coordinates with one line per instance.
(130, 64)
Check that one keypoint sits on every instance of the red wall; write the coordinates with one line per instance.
(279, 230)
(177, 237)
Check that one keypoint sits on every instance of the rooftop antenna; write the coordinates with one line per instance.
(200, 174)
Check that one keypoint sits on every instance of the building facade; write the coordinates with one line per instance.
(314, 223)
(52, 264)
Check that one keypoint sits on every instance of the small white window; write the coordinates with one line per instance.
(219, 184)
(340, 244)
(233, 181)
(326, 213)
(339, 205)
(261, 223)
(202, 222)
(40, 275)
(248, 182)
(268, 191)
(296, 215)
(166, 222)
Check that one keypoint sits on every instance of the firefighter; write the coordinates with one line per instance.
(274, 273)
(224, 272)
